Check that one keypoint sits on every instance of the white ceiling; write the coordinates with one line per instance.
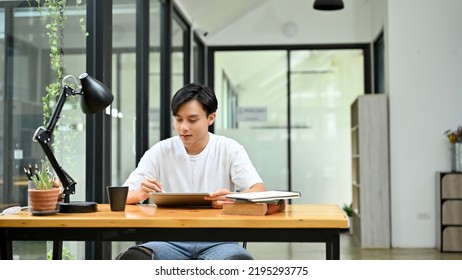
(214, 15)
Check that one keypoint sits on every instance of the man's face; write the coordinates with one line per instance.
(191, 124)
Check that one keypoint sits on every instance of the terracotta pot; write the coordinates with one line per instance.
(43, 200)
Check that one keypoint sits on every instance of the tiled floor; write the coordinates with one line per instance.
(349, 250)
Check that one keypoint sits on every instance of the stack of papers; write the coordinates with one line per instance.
(267, 196)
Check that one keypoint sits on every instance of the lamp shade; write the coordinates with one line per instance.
(95, 95)
(328, 5)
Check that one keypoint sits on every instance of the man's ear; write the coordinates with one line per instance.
(211, 118)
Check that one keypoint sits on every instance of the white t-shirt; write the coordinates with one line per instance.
(223, 163)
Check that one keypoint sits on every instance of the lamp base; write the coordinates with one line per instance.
(77, 207)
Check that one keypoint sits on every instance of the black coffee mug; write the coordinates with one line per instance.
(117, 197)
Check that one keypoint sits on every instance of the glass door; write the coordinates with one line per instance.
(323, 85)
(251, 88)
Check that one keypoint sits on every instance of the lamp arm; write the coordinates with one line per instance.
(66, 180)
(66, 92)
(43, 136)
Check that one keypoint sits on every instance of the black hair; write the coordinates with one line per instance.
(193, 91)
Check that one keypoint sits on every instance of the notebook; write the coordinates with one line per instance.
(180, 199)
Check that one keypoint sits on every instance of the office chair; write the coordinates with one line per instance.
(136, 253)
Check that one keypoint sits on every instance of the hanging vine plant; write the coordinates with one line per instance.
(54, 17)
(55, 26)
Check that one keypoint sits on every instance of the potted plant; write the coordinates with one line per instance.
(455, 140)
(43, 197)
(348, 209)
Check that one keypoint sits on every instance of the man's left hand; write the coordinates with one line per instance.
(219, 198)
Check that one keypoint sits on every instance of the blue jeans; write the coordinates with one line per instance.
(197, 251)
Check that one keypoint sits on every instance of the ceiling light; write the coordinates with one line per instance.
(328, 5)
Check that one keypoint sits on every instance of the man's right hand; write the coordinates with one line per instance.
(152, 185)
(147, 186)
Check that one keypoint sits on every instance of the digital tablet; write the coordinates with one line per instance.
(180, 199)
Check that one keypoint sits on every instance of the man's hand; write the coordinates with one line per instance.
(57, 184)
(147, 186)
(218, 198)
(152, 185)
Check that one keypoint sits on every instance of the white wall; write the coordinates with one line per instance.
(423, 67)
(424, 49)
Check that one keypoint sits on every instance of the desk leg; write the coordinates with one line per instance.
(57, 249)
(6, 247)
(333, 248)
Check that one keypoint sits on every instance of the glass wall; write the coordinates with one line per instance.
(26, 72)
(179, 54)
(293, 121)
(124, 85)
(154, 72)
(198, 61)
(124, 90)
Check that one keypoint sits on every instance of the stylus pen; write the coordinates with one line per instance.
(147, 178)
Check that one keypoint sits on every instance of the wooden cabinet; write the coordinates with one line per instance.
(370, 171)
(449, 212)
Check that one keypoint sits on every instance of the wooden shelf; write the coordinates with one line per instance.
(449, 212)
(370, 171)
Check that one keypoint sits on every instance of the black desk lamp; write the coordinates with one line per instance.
(95, 97)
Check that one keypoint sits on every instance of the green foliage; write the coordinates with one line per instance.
(54, 17)
(348, 209)
(54, 21)
(67, 254)
(42, 180)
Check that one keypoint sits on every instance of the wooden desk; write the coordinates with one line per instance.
(299, 223)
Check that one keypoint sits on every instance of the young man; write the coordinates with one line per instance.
(193, 161)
